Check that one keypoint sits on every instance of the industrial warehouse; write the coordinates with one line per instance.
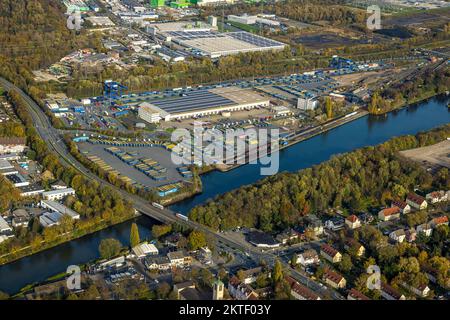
(204, 40)
(200, 103)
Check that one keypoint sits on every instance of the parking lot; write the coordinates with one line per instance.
(157, 153)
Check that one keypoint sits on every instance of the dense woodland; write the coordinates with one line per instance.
(355, 181)
(34, 35)
(307, 11)
(11, 129)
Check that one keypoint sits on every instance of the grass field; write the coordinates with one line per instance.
(245, 27)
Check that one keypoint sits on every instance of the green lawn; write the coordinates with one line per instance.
(245, 27)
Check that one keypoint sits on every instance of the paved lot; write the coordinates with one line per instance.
(437, 154)
(159, 154)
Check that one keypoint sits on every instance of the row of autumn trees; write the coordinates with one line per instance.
(428, 84)
(333, 11)
(354, 181)
(99, 206)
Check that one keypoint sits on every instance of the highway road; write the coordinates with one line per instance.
(57, 145)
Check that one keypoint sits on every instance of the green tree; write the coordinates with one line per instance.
(4, 296)
(329, 107)
(109, 248)
(196, 240)
(294, 260)
(134, 235)
(163, 290)
(277, 273)
(346, 263)
(160, 230)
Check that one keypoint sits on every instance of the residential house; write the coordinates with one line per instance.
(173, 239)
(398, 235)
(365, 218)
(21, 218)
(240, 290)
(410, 235)
(436, 196)
(160, 263)
(334, 279)
(354, 247)
(314, 224)
(421, 291)
(188, 291)
(330, 253)
(403, 206)
(205, 255)
(299, 291)
(12, 145)
(353, 222)
(354, 294)
(439, 221)
(179, 259)
(308, 257)
(335, 224)
(5, 228)
(250, 275)
(390, 293)
(179, 287)
(425, 229)
(388, 214)
(288, 236)
(416, 202)
(432, 275)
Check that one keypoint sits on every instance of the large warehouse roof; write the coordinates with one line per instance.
(197, 100)
(201, 101)
(216, 44)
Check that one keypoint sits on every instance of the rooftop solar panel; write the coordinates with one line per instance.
(192, 101)
(189, 35)
(254, 39)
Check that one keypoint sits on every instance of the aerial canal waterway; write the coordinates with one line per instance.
(365, 131)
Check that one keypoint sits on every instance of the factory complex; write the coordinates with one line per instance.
(203, 39)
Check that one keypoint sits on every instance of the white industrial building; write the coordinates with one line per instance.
(204, 3)
(307, 103)
(203, 39)
(148, 113)
(269, 22)
(58, 207)
(31, 190)
(201, 103)
(4, 226)
(244, 19)
(145, 249)
(281, 110)
(58, 194)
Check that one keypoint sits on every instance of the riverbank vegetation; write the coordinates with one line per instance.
(355, 181)
(424, 86)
